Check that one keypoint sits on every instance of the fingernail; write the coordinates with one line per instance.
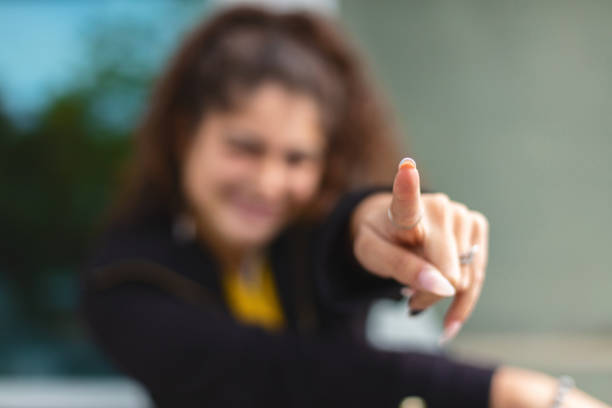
(433, 281)
(416, 312)
(406, 291)
(450, 332)
(407, 162)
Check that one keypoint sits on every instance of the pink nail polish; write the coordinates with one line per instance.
(450, 332)
(406, 291)
(431, 280)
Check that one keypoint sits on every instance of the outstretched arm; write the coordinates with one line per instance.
(518, 388)
(417, 239)
(191, 356)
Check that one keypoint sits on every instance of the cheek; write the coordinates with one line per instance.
(305, 185)
(209, 176)
(202, 174)
(195, 181)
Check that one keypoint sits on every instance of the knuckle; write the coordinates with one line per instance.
(481, 220)
(461, 208)
(439, 205)
(441, 198)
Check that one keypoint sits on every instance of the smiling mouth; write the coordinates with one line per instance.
(257, 211)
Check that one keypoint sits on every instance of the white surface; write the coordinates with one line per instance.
(71, 393)
(390, 328)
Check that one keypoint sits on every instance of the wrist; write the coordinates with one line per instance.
(517, 388)
(513, 387)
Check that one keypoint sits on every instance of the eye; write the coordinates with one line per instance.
(245, 145)
(296, 158)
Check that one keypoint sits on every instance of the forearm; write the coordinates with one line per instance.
(190, 356)
(513, 387)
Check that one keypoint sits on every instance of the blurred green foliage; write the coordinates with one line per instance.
(60, 167)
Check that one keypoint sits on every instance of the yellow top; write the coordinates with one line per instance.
(253, 299)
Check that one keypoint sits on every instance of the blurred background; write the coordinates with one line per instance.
(506, 106)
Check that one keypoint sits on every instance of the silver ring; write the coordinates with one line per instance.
(468, 257)
(404, 227)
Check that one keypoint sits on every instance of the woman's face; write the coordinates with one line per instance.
(248, 171)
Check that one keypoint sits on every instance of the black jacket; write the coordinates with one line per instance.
(154, 305)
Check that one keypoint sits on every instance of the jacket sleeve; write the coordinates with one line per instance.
(189, 356)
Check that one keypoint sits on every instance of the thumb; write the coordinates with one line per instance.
(406, 208)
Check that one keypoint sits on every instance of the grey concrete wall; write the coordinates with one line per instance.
(508, 108)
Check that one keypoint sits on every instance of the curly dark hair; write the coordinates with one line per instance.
(234, 51)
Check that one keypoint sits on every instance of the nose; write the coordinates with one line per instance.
(271, 179)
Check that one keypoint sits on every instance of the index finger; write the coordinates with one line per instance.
(406, 207)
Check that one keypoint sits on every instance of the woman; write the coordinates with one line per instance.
(257, 226)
